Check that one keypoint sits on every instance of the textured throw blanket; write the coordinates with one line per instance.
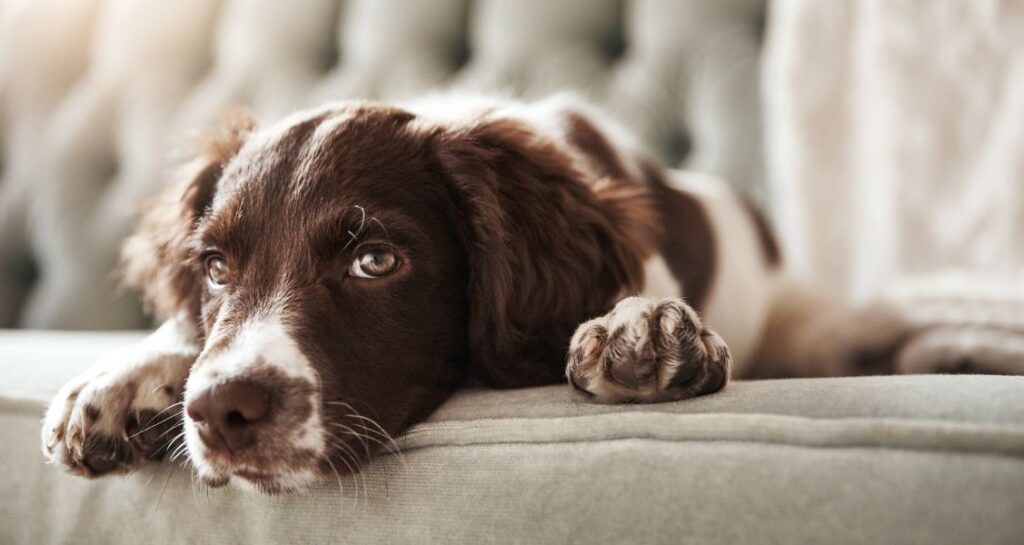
(895, 133)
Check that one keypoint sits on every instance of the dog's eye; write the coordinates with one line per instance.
(217, 270)
(373, 264)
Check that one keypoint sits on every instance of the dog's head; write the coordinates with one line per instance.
(347, 267)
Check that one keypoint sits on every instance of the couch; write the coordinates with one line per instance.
(909, 459)
(96, 99)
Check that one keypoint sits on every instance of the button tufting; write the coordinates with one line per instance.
(634, 57)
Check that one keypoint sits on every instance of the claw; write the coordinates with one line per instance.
(105, 454)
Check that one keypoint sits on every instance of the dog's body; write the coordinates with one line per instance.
(331, 279)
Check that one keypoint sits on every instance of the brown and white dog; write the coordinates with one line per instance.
(334, 277)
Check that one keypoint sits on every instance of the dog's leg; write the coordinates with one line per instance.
(813, 333)
(647, 350)
(125, 409)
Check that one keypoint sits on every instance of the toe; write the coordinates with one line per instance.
(103, 454)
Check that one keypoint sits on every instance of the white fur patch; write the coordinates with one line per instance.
(659, 281)
(313, 148)
(259, 343)
(547, 118)
(259, 152)
(743, 286)
(292, 480)
(264, 341)
(145, 376)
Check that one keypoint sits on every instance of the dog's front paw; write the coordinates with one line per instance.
(647, 351)
(121, 412)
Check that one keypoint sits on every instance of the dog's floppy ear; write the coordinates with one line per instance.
(157, 259)
(546, 250)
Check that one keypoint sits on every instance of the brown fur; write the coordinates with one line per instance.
(505, 247)
(765, 234)
(507, 239)
(690, 251)
(547, 251)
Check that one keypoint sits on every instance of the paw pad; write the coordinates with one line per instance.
(647, 351)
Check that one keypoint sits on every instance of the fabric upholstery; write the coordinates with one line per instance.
(97, 95)
(923, 459)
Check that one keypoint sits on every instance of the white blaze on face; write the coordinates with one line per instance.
(260, 343)
(263, 341)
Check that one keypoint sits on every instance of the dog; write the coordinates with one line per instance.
(334, 277)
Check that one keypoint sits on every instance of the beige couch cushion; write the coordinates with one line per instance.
(924, 459)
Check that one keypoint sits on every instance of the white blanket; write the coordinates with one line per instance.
(895, 132)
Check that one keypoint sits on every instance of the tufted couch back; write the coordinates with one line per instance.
(97, 97)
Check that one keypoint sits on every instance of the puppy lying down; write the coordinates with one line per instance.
(335, 276)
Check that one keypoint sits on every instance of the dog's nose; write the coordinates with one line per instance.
(225, 414)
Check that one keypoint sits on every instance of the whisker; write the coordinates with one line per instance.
(353, 237)
(352, 470)
(377, 428)
(348, 449)
(366, 446)
(357, 435)
(392, 446)
(362, 221)
(147, 428)
(170, 474)
(179, 450)
(371, 432)
(165, 432)
(355, 468)
(385, 229)
(179, 436)
(192, 481)
(171, 447)
(337, 476)
(362, 440)
(177, 454)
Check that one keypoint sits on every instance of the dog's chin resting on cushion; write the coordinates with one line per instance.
(327, 281)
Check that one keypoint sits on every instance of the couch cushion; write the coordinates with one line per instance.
(90, 122)
(880, 459)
